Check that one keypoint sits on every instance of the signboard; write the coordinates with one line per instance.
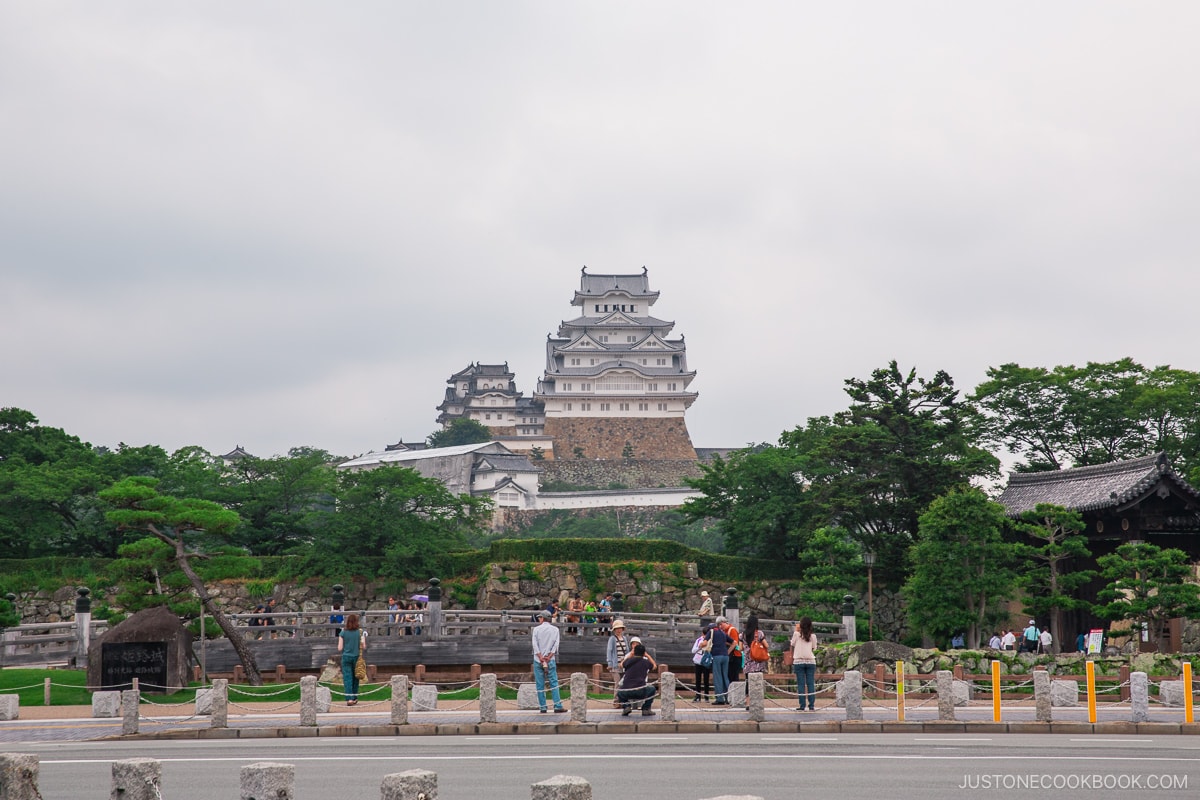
(121, 662)
(1095, 641)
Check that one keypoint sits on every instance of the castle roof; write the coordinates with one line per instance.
(403, 456)
(591, 286)
(1095, 488)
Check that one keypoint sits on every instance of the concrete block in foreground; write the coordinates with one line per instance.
(562, 787)
(413, 784)
(268, 780)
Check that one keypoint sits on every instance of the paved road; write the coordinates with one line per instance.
(668, 767)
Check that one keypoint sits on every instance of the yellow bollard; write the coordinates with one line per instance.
(995, 691)
(1187, 692)
(1091, 691)
(900, 691)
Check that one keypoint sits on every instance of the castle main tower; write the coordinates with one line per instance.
(615, 386)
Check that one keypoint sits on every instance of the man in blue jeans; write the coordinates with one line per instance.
(720, 666)
(545, 653)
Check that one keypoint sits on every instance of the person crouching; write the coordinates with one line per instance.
(634, 683)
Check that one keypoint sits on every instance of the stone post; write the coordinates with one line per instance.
(666, 689)
(19, 777)
(432, 629)
(730, 609)
(1139, 696)
(220, 704)
(83, 624)
(137, 779)
(413, 784)
(1041, 696)
(562, 787)
(754, 682)
(487, 697)
(129, 711)
(10, 706)
(308, 700)
(268, 780)
(579, 698)
(945, 694)
(399, 699)
(849, 621)
(852, 692)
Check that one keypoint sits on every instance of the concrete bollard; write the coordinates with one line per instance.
(737, 693)
(1064, 694)
(129, 711)
(945, 694)
(268, 780)
(220, 704)
(1139, 696)
(137, 779)
(562, 787)
(10, 706)
(308, 700)
(424, 697)
(487, 697)
(666, 688)
(527, 699)
(413, 784)
(399, 699)
(579, 698)
(204, 702)
(754, 683)
(1170, 693)
(46, 692)
(1041, 696)
(19, 777)
(324, 699)
(106, 705)
(852, 694)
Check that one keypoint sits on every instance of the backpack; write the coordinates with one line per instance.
(758, 649)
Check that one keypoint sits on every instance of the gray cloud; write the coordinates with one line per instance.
(280, 224)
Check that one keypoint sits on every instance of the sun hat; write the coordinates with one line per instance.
(1032, 622)
(633, 639)
(619, 624)
(704, 593)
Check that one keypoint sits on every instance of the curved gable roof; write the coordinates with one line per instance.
(1092, 488)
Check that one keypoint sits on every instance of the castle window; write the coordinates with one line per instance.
(652, 387)
(631, 338)
(566, 387)
(606, 406)
(661, 362)
(643, 406)
(574, 362)
(623, 406)
(662, 406)
(604, 338)
(671, 387)
(493, 401)
(644, 361)
(592, 362)
(488, 415)
(633, 309)
(568, 406)
(597, 308)
(585, 406)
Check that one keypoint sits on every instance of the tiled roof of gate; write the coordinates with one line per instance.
(1090, 488)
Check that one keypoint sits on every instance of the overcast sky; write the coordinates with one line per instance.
(278, 224)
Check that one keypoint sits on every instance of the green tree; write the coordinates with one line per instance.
(832, 566)
(460, 431)
(146, 576)
(1052, 577)
(1149, 585)
(46, 477)
(1095, 414)
(963, 569)
(395, 520)
(137, 505)
(761, 508)
(282, 500)
(875, 468)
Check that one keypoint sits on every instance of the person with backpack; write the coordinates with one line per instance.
(1030, 638)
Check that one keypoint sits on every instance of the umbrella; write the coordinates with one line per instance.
(420, 598)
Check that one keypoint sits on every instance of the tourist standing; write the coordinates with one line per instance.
(804, 663)
(1030, 637)
(545, 661)
(614, 656)
(702, 680)
(720, 665)
(1009, 639)
(635, 682)
(1045, 641)
(706, 606)
(351, 642)
(393, 615)
(336, 619)
(757, 654)
(995, 642)
(575, 615)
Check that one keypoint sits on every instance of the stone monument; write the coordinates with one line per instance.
(151, 645)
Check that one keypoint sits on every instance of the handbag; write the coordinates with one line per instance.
(360, 664)
(789, 656)
(758, 650)
(706, 658)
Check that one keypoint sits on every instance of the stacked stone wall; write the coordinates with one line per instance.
(631, 473)
(606, 437)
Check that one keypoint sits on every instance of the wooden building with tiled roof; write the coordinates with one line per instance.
(1138, 500)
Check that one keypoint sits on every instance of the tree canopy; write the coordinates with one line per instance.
(460, 431)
